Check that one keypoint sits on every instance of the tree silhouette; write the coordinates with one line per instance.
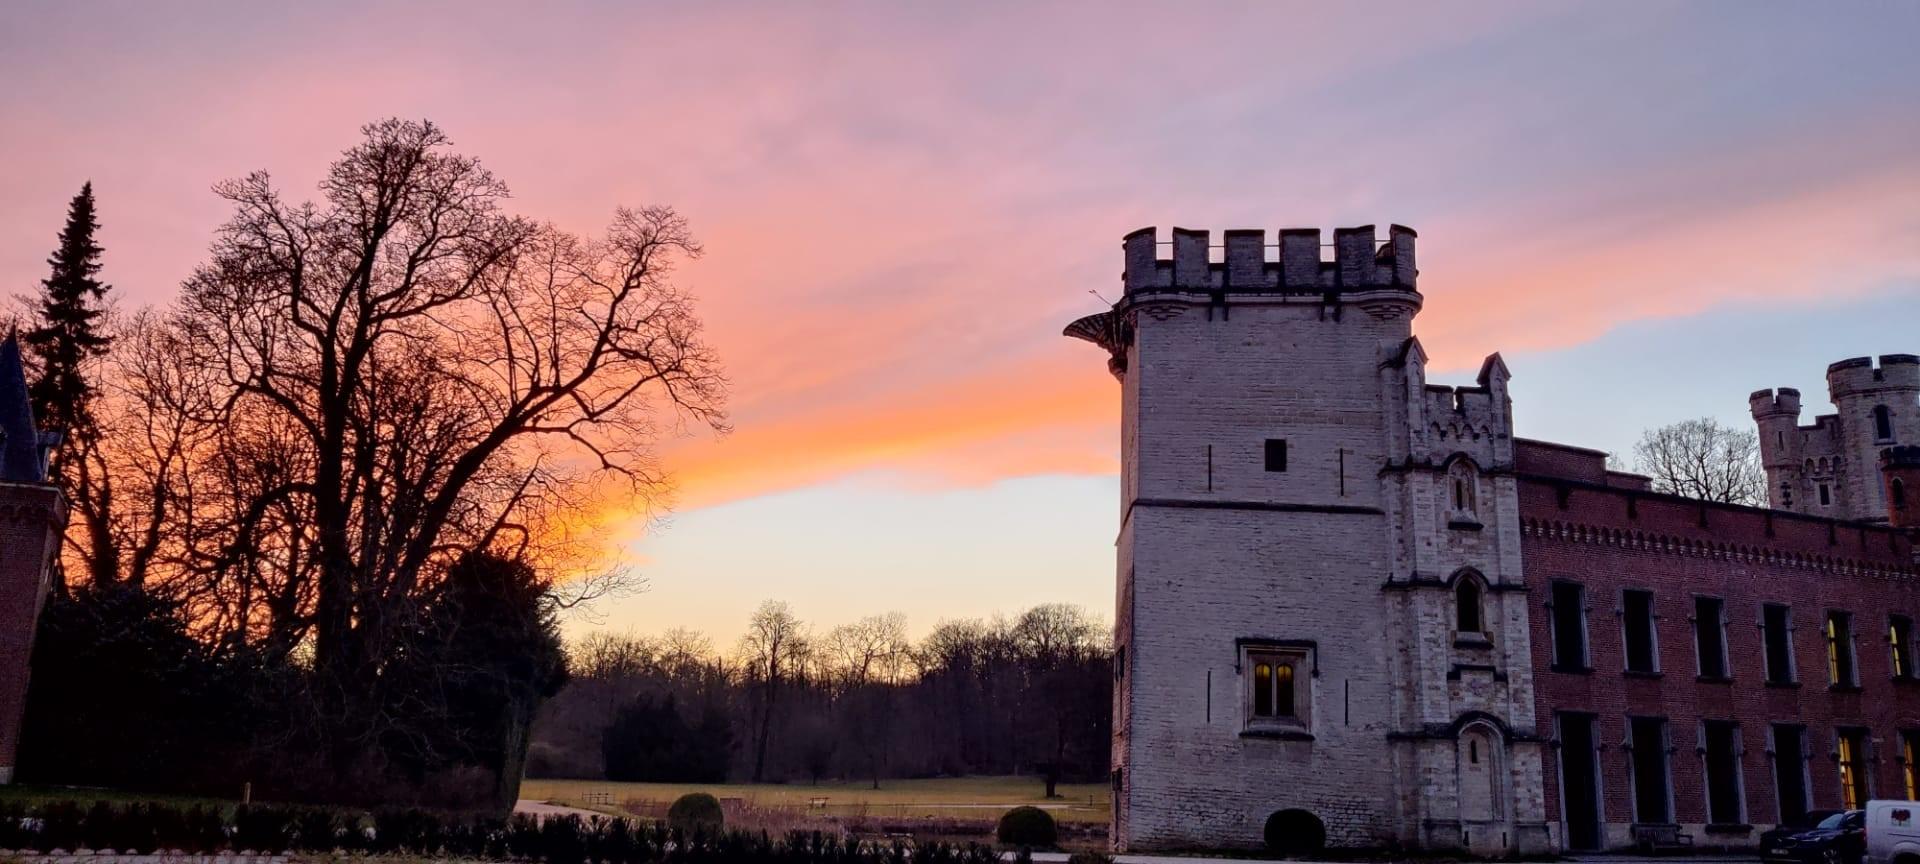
(67, 335)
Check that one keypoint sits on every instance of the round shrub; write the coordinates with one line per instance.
(1027, 826)
(696, 812)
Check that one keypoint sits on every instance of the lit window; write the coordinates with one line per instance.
(1840, 666)
(1907, 767)
(1900, 641)
(1853, 772)
(1277, 679)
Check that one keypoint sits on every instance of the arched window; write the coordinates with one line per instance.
(1898, 491)
(1466, 606)
(1882, 423)
(1461, 487)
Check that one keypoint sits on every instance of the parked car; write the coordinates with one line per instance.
(1789, 827)
(1893, 832)
(1840, 838)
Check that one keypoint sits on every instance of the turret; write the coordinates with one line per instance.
(1878, 406)
(1776, 414)
(1900, 476)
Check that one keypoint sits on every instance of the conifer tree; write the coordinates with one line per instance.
(68, 332)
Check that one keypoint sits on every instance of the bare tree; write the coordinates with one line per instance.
(1703, 459)
(417, 373)
(774, 644)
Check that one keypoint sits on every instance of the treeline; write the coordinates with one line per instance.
(1026, 695)
(322, 503)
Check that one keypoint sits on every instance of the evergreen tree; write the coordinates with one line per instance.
(68, 331)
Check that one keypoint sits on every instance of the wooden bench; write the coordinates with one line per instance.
(1651, 838)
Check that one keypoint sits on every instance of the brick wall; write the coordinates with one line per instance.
(1610, 540)
(30, 516)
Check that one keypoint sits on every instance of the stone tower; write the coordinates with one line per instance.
(1321, 627)
(31, 516)
(1832, 468)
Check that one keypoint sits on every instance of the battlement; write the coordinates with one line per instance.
(1764, 403)
(1903, 456)
(1247, 263)
(1860, 375)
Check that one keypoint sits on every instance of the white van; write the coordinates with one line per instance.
(1893, 832)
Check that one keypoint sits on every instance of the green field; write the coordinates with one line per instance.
(973, 798)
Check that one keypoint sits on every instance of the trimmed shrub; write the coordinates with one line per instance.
(696, 813)
(1090, 858)
(264, 829)
(1027, 826)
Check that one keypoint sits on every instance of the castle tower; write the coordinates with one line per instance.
(1900, 472)
(31, 516)
(1832, 468)
(1321, 628)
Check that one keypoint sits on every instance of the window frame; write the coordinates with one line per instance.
(1882, 424)
(1626, 632)
(1900, 646)
(1840, 646)
(1720, 625)
(1735, 762)
(1853, 766)
(1561, 664)
(1465, 583)
(1296, 657)
(1792, 672)
(1273, 447)
(1665, 750)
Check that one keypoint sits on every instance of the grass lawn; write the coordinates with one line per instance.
(87, 794)
(982, 798)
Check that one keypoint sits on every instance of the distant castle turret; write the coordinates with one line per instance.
(1833, 467)
(31, 517)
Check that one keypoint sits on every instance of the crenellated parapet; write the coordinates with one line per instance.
(1859, 375)
(1295, 264)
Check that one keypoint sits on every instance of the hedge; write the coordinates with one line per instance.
(145, 828)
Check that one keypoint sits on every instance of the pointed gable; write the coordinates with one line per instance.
(19, 438)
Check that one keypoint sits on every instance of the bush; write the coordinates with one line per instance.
(1027, 826)
(1090, 858)
(696, 813)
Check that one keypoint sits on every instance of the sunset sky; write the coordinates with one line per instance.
(1651, 209)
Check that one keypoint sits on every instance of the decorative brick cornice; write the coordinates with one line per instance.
(1666, 544)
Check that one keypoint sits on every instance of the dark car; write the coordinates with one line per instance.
(1839, 838)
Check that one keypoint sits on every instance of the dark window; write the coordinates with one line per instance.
(1636, 610)
(1779, 638)
(1710, 636)
(1826, 497)
(1790, 772)
(1852, 755)
(1898, 491)
(1900, 643)
(1786, 495)
(1569, 626)
(1276, 454)
(1882, 423)
(1647, 736)
(1722, 763)
(1466, 607)
(1840, 667)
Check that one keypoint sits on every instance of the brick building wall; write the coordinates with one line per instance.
(30, 520)
(1610, 540)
